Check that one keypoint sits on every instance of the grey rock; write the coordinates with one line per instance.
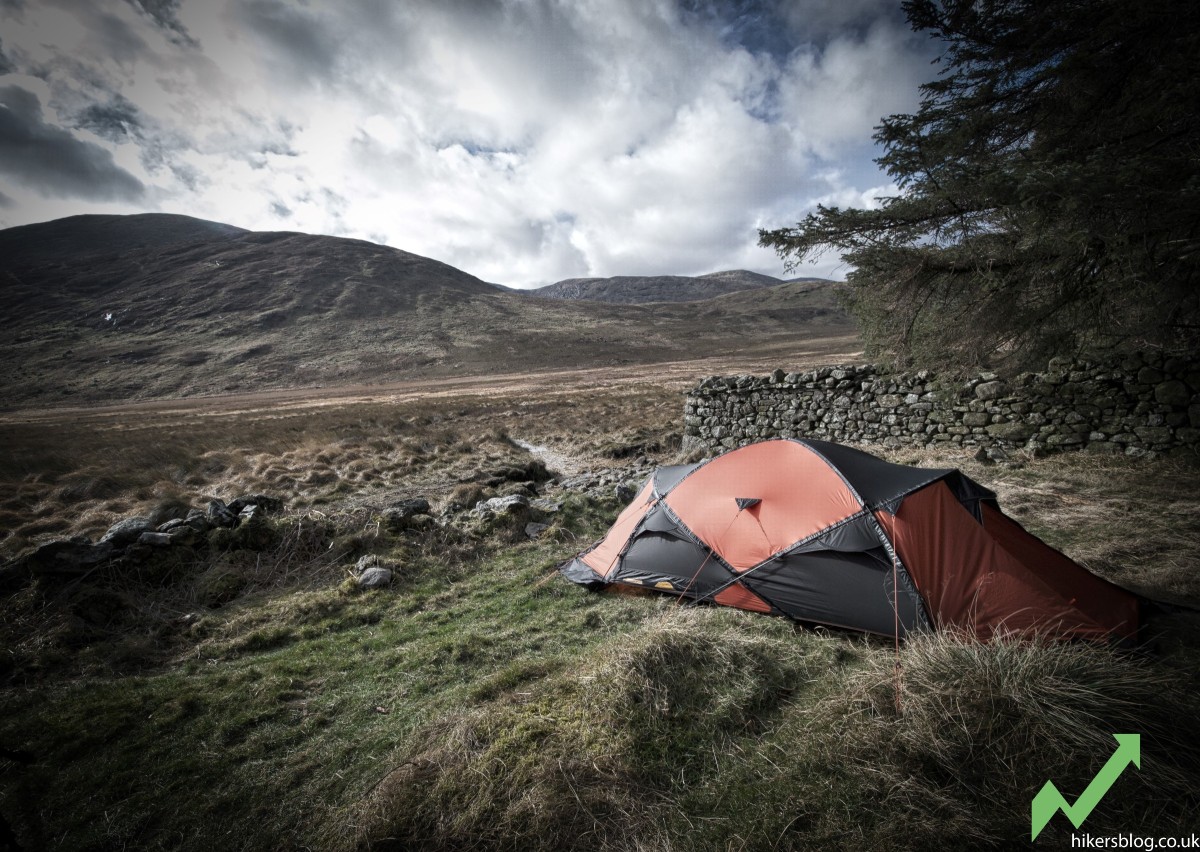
(375, 577)
(1174, 393)
(412, 506)
(69, 556)
(534, 529)
(1149, 376)
(511, 505)
(127, 531)
(219, 515)
(625, 492)
(267, 504)
(989, 390)
(155, 539)
(185, 535)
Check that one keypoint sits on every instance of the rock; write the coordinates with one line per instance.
(1174, 393)
(219, 515)
(127, 531)
(625, 492)
(371, 572)
(376, 577)
(185, 535)
(412, 506)
(510, 505)
(1149, 376)
(69, 557)
(403, 515)
(267, 504)
(989, 390)
(1014, 433)
(155, 539)
(534, 529)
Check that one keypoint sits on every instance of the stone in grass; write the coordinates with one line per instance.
(127, 531)
(406, 514)
(155, 539)
(219, 515)
(534, 529)
(370, 572)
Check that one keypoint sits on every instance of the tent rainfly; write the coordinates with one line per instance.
(823, 533)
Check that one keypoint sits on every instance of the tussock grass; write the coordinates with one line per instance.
(704, 729)
(955, 758)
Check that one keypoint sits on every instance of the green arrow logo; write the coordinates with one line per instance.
(1049, 801)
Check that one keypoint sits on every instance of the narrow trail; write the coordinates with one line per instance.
(554, 460)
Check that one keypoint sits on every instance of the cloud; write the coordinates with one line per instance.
(53, 162)
(165, 14)
(521, 140)
(6, 64)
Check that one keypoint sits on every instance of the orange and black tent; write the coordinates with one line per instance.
(824, 533)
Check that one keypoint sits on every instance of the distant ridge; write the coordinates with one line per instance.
(644, 289)
(104, 308)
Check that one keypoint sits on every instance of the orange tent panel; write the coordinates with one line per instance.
(800, 495)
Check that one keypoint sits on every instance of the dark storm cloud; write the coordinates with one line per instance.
(165, 13)
(6, 65)
(6, 203)
(51, 161)
(115, 120)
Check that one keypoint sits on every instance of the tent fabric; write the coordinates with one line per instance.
(828, 534)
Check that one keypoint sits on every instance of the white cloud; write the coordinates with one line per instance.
(523, 141)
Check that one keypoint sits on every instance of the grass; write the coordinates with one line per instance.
(483, 703)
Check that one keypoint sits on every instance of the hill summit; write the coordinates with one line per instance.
(645, 289)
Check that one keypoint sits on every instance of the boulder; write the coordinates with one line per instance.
(66, 558)
(155, 539)
(269, 505)
(989, 390)
(1174, 393)
(219, 515)
(126, 532)
(403, 515)
(370, 572)
(534, 529)
(376, 577)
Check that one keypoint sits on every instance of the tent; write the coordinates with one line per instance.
(824, 533)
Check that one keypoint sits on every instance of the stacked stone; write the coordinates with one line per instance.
(1136, 404)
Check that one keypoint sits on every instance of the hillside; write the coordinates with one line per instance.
(105, 308)
(644, 289)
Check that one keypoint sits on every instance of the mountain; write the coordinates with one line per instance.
(101, 308)
(643, 289)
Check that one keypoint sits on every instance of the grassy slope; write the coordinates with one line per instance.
(485, 703)
(103, 308)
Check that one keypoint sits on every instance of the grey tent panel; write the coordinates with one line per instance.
(663, 556)
(844, 589)
(666, 478)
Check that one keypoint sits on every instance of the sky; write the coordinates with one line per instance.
(522, 141)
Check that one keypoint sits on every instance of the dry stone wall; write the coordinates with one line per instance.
(1136, 405)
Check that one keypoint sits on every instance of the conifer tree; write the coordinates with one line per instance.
(1049, 187)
